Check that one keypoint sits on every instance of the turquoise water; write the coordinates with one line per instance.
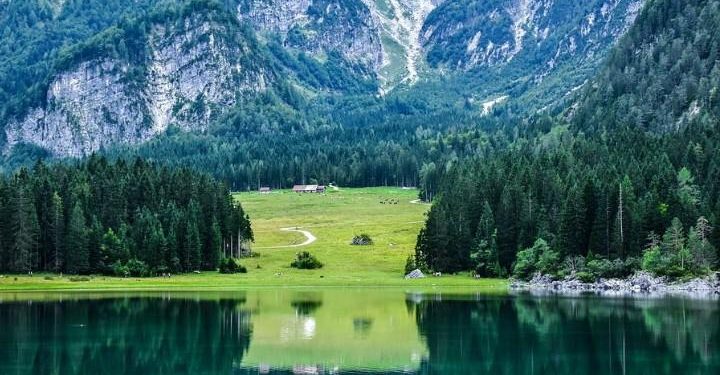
(355, 331)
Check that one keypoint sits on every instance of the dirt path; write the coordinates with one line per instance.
(309, 238)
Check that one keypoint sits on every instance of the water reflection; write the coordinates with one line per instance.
(148, 335)
(335, 331)
(582, 335)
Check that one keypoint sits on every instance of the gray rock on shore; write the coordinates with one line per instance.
(640, 282)
(416, 274)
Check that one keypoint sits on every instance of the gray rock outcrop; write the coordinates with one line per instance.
(416, 274)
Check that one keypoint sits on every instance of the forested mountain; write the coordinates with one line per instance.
(116, 218)
(663, 76)
(536, 52)
(216, 84)
(630, 182)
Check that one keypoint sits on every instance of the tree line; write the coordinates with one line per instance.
(117, 218)
(592, 197)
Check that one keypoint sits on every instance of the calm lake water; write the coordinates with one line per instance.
(355, 331)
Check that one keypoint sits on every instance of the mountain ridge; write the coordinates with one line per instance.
(312, 49)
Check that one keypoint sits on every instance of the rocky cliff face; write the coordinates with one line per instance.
(401, 23)
(467, 34)
(320, 27)
(193, 72)
(383, 36)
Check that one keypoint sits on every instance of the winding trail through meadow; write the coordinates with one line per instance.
(309, 238)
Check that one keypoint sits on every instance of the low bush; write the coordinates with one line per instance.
(585, 277)
(539, 258)
(306, 261)
(231, 265)
(79, 278)
(133, 267)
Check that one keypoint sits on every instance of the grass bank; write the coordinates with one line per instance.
(388, 215)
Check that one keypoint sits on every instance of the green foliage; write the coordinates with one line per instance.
(306, 261)
(231, 265)
(119, 269)
(410, 264)
(111, 218)
(615, 268)
(538, 258)
(137, 268)
(662, 75)
(679, 255)
(79, 278)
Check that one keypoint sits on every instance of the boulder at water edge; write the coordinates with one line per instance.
(416, 274)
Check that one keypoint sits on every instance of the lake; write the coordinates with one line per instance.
(368, 331)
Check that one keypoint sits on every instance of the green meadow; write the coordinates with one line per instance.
(388, 215)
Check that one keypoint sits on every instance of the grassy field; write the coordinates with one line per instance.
(333, 218)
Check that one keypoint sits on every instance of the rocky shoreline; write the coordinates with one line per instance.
(641, 283)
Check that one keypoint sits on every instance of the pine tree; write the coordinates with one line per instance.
(76, 242)
(57, 233)
(113, 249)
(213, 253)
(674, 242)
(193, 246)
(703, 254)
(484, 252)
(25, 230)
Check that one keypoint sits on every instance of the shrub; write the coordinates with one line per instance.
(362, 240)
(525, 264)
(548, 260)
(120, 270)
(231, 265)
(306, 261)
(538, 258)
(616, 268)
(652, 260)
(585, 277)
(79, 278)
(137, 268)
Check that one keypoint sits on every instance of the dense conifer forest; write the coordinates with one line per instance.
(119, 219)
(631, 182)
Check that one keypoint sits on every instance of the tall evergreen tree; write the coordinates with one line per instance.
(76, 242)
(25, 232)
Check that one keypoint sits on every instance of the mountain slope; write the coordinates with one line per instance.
(189, 65)
(592, 199)
(525, 48)
(663, 75)
(131, 82)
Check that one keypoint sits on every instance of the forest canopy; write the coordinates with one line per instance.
(118, 218)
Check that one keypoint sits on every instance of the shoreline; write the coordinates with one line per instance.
(640, 284)
(216, 282)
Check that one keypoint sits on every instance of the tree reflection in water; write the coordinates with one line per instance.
(145, 335)
(201, 334)
(556, 335)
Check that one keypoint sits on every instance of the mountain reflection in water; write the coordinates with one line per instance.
(355, 332)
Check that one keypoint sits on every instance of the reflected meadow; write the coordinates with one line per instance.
(355, 331)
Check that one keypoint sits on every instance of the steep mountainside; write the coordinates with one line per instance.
(187, 65)
(663, 76)
(130, 83)
(525, 47)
